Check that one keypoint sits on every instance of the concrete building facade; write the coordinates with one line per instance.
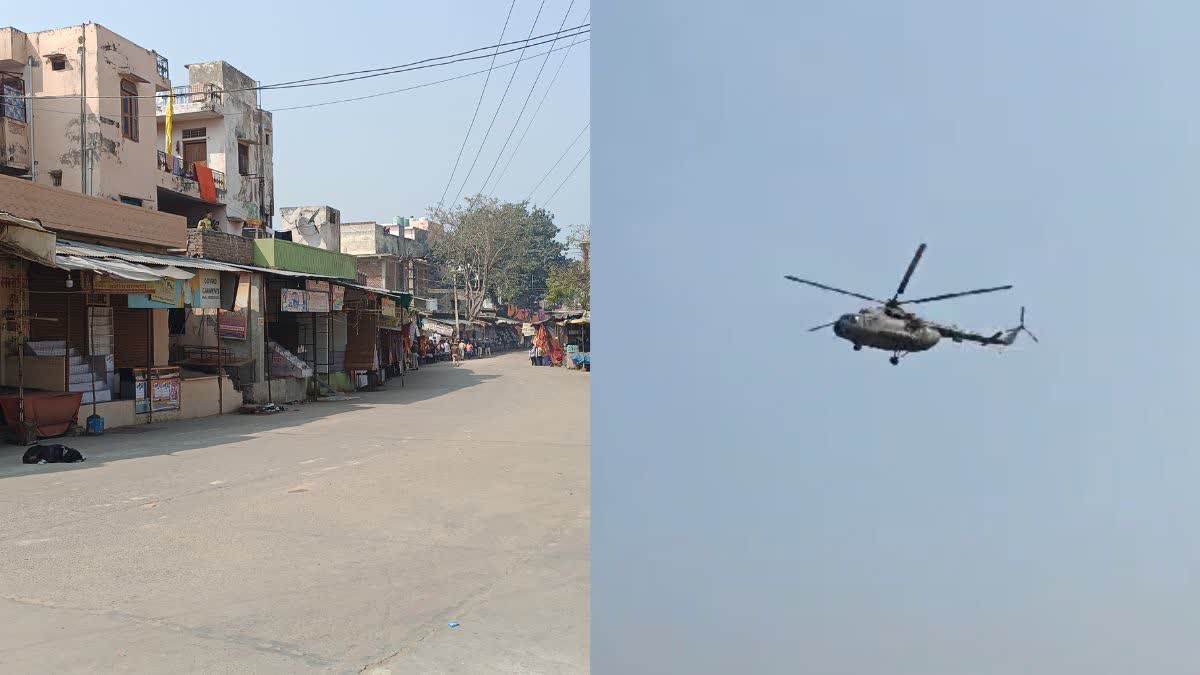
(102, 144)
(217, 122)
(316, 226)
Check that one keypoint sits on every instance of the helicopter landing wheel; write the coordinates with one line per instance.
(858, 348)
(895, 360)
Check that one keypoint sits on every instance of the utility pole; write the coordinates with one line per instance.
(30, 64)
(83, 159)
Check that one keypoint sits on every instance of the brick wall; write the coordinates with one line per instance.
(220, 246)
(371, 269)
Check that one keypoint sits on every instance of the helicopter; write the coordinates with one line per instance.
(890, 327)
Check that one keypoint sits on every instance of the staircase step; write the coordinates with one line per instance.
(102, 395)
(86, 386)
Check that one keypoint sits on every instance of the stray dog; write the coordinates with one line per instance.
(51, 454)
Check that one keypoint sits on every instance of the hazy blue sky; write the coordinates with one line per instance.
(386, 156)
(767, 500)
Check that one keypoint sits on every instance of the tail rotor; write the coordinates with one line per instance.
(1022, 327)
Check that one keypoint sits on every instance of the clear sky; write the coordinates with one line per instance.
(768, 500)
(386, 156)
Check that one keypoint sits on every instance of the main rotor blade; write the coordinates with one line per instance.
(824, 325)
(947, 296)
(831, 288)
(912, 266)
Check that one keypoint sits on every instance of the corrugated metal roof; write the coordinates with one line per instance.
(116, 268)
(380, 291)
(286, 273)
(82, 250)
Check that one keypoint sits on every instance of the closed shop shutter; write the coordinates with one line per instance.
(131, 333)
(360, 341)
(48, 304)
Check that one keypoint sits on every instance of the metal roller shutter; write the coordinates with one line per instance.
(131, 333)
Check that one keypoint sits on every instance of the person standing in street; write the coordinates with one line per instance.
(532, 355)
(456, 352)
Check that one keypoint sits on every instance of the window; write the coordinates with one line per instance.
(132, 201)
(12, 98)
(267, 138)
(129, 110)
(243, 158)
(198, 132)
(58, 62)
(56, 177)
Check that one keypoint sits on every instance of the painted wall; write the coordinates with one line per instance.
(316, 226)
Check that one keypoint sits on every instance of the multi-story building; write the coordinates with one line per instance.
(217, 125)
(90, 127)
(379, 254)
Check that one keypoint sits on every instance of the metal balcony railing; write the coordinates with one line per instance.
(174, 165)
(207, 96)
(162, 66)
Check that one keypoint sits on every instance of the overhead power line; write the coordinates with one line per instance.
(497, 113)
(564, 182)
(556, 163)
(448, 59)
(517, 122)
(478, 104)
(357, 98)
(537, 110)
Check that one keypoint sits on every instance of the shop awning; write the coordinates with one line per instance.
(287, 273)
(404, 298)
(82, 250)
(115, 268)
(27, 239)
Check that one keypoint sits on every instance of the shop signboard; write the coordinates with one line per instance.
(527, 330)
(315, 286)
(209, 294)
(438, 328)
(339, 298)
(166, 292)
(103, 284)
(293, 300)
(388, 307)
(232, 325)
(318, 301)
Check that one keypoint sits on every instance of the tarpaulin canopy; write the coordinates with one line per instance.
(27, 239)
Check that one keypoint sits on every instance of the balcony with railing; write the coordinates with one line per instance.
(180, 176)
(192, 101)
(163, 71)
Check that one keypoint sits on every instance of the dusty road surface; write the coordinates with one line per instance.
(338, 537)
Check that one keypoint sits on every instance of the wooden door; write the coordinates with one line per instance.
(195, 152)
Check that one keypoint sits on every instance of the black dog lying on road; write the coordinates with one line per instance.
(51, 454)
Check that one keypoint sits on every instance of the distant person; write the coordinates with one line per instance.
(456, 353)
(206, 223)
(532, 355)
(470, 350)
(541, 355)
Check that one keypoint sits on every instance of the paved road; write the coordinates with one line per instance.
(338, 537)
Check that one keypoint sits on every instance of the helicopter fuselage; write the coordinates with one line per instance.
(882, 330)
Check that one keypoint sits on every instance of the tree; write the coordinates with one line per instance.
(524, 277)
(480, 240)
(569, 283)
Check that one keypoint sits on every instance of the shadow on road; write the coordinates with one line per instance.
(171, 438)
